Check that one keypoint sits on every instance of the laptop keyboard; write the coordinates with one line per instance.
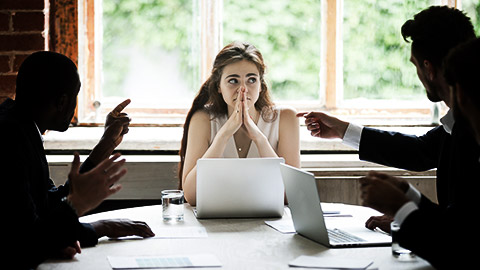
(338, 236)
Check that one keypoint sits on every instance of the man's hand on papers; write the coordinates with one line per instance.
(380, 222)
(115, 228)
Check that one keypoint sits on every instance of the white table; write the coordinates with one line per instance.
(237, 243)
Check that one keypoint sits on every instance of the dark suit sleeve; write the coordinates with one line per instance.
(87, 165)
(439, 236)
(35, 227)
(86, 234)
(394, 149)
(443, 234)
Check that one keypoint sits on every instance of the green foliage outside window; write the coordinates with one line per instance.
(375, 56)
(287, 33)
(472, 9)
(146, 25)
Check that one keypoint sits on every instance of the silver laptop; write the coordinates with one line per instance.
(239, 188)
(307, 214)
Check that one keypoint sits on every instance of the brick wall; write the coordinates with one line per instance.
(22, 31)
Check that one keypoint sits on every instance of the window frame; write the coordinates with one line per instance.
(88, 56)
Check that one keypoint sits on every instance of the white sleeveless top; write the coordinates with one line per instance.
(269, 129)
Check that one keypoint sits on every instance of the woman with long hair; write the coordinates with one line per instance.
(233, 116)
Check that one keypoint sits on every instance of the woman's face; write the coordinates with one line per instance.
(236, 76)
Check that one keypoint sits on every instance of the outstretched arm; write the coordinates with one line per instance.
(323, 125)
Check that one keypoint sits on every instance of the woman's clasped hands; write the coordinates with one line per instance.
(241, 118)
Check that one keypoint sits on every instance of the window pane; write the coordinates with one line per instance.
(287, 33)
(472, 8)
(150, 53)
(376, 58)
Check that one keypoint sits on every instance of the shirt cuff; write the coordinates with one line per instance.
(413, 194)
(404, 211)
(352, 136)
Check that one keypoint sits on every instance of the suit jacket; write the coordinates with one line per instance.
(431, 232)
(38, 222)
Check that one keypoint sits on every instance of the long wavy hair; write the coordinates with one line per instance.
(208, 98)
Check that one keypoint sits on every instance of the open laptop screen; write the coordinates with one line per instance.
(239, 187)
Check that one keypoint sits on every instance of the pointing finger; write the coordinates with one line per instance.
(120, 107)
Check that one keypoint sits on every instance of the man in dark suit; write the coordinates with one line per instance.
(462, 74)
(442, 236)
(433, 32)
(40, 219)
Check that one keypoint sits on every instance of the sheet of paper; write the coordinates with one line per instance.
(172, 232)
(330, 263)
(284, 225)
(145, 262)
(333, 211)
